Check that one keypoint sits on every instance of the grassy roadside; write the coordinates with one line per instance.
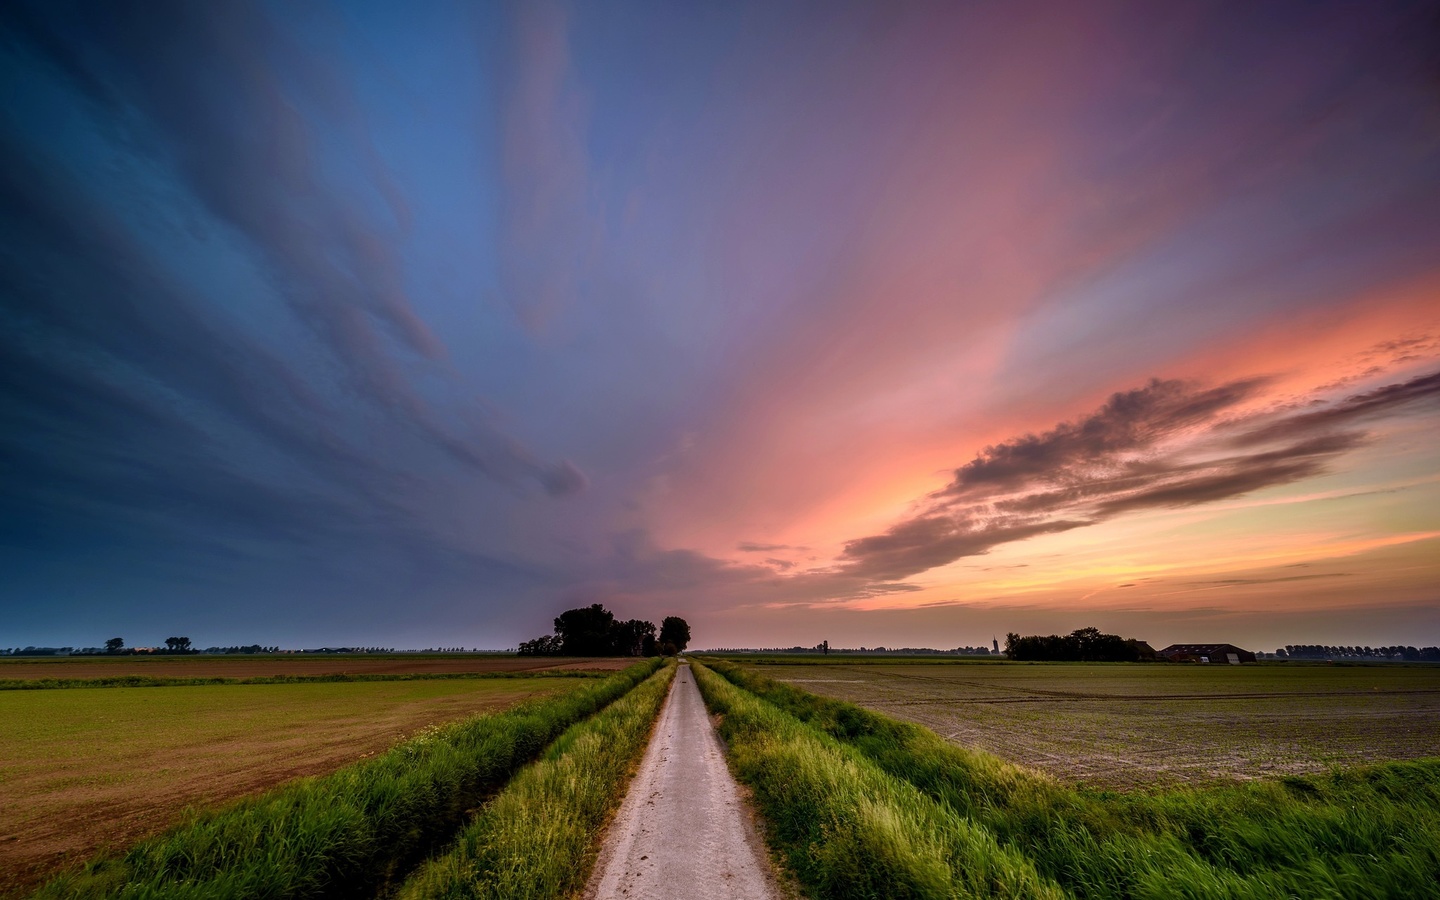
(537, 838)
(848, 829)
(1366, 832)
(351, 833)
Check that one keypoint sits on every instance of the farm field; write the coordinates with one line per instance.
(284, 664)
(87, 768)
(861, 804)
(1120, 726)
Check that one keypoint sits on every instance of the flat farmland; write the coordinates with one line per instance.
(295, 665)
(1124, 726)
(86, 768)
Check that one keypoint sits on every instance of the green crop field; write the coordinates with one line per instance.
(90, 767)
(1125, 725)
(361, 830)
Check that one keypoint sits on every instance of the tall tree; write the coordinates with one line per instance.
(114, 645)
(586, 631)
(632, 638)
(675, 630)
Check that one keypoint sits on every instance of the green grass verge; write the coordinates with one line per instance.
(352, 833)
(44, 684)
(848, 829)
(537, 838)
(1365, 832)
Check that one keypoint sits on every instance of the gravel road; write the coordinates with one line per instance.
(683, 831)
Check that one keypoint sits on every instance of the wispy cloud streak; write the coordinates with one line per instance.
(1160, 446)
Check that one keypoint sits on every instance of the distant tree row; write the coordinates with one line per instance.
(1081, 645)
(1325, 651)
(116, 647)
(243, 648)
(594, 631)
(823, 648)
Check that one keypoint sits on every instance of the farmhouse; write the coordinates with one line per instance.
(1207, 653)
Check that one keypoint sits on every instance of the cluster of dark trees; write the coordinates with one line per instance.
(116, 647)
(1324, 651)
(1081, 645)
(594, 631)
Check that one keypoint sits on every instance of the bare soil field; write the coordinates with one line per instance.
(85, 769)
(1125, 726)
(294, 664)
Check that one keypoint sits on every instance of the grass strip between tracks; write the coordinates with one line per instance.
(1370, 831)
(848, 829)
(537, 838)
(354, 832)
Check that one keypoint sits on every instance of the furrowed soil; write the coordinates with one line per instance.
(90, 768)
(294, 664)
(1126, 726)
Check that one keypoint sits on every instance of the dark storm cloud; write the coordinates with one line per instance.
(1129, 421)
(919, 544)
(753, 547)
(129, 398)
(1151, 448)
(1285, 578)
(239, 110)
(1187, 485)
(1419, 391)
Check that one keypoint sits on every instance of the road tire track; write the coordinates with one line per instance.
(684, 829)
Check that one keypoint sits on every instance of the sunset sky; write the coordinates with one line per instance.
(890, 323)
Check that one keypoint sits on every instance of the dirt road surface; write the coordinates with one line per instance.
(684, 829)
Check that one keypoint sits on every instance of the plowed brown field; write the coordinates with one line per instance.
(1122, 726)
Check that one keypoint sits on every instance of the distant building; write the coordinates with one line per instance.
(1143, 651)
(1207, 653)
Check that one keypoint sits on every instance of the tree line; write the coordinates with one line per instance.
(1081, 645)
(594, 631)
(1325, 651)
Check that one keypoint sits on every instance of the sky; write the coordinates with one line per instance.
(887, 324)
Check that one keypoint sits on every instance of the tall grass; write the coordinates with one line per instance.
(1365, 832)
(848, 829)
(537, 838)
(354, 832)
